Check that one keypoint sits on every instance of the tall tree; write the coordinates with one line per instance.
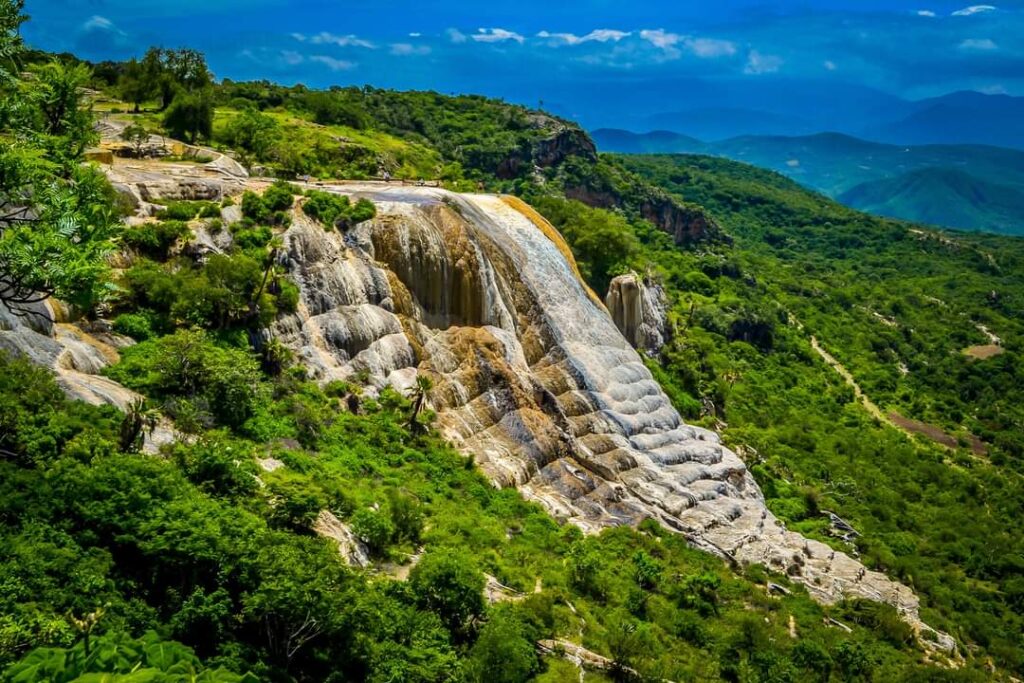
(138, 83)
(56, 216)
(190, 116)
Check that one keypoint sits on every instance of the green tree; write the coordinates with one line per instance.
(56, 217)
(138, 83)
(137, 135)
(252, 133)
(190, 116)
(58, 112)
(11, 46)
(504, 651)
(447, 581)
(373, 528)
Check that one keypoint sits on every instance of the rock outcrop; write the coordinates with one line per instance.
(532, 378)
(560, 141)
(639, 310)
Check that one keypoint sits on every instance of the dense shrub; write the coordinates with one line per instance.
(337, 211)
(194, 377)
(155, 240)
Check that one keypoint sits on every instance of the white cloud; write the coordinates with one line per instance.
(326, 38)
(456, 36)
(332, 63)
(995, 89)
(496, 35)
(705, 48)
(830, 65)
(973, 9)
(291, 57)
(660, 38)
(409, 50)
(601, 35)
(758, 63)
(925, 13)
(415, 34)
(96, 22)
(983, 44)
(710, 47)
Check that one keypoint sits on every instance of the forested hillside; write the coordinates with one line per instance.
(208, 560)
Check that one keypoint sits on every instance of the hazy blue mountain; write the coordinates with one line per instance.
(717, 123)
(961, 117)
(718, 112)
(943, 196)
(655, 142)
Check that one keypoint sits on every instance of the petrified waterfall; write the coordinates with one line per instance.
(638, 309)
(533, 378)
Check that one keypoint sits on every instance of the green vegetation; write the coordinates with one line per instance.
(971, 187)
(942, 196)
(201, 563)
(57, 218)
(205, 548)
(336, 210)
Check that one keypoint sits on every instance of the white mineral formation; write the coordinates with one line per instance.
(532, 377)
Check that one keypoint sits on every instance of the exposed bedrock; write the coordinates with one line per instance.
(534, 379)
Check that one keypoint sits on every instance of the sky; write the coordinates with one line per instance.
(585, 58)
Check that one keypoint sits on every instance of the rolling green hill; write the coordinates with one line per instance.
(941, 196)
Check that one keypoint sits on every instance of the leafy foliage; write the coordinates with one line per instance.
(56, 216)
(337, 211)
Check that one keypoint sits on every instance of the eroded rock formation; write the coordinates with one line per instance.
(639, 310)
(532, 378)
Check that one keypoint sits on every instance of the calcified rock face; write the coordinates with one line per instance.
(532, 378)
(639, 311)
(75, 356)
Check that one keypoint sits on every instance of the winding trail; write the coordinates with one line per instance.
(833, 363)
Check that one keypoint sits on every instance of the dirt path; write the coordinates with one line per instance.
(871, 407)
(892, 418)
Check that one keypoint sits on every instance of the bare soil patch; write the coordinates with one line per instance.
(983, 351)
(935, 433)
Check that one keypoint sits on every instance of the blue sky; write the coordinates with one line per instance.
(569, 53)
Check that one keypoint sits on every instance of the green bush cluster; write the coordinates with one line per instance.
(188, 210)
(223, 292)
(337, 211)
(155, 240)
(199, 382)
(272, 206)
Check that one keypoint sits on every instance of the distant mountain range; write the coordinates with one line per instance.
(972, 187)
(705, 113)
